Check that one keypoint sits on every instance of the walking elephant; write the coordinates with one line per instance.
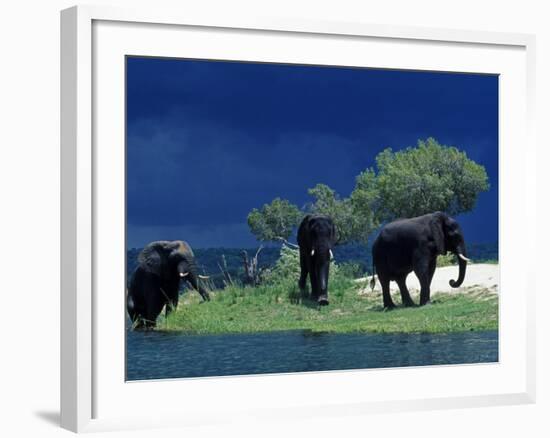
(155, 282)
(407, 245)
(316, 237)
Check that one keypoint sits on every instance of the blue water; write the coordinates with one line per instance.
(157, 355)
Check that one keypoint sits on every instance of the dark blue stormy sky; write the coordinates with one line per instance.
(208, 141)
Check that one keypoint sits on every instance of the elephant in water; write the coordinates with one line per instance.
(316, 237)
(155, 282)
(407, 245)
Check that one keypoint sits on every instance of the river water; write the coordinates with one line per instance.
(158, 355)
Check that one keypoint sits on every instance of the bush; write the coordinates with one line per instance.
(350, 270)
(286, 268)
(448, 259)
(282, 280)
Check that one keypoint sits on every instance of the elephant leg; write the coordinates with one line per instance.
(405, 295)
(303, 272)
(135, 315)
(433, 264)
(148, 324)
(170, 291)
(314, 283)
(425, 286)
(385, 283)
(149, 317)
(171, 306)
(422, 271)
(130, 306)
(151, 302)
(139, 324)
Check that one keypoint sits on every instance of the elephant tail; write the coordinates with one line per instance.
(373, 279)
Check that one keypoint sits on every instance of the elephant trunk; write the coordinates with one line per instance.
(204, 293)
(462, 262)
(188, 271)
(322, 281)
(197, 284)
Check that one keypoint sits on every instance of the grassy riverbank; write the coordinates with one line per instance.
(279, 307)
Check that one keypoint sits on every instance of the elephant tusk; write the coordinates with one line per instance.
(184, 274)
(312, 252)
(204, 277)
(466, 259)
(331, 254)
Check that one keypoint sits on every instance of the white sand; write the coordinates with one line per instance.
(478, 276)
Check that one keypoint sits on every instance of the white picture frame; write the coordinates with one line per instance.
(93, 39)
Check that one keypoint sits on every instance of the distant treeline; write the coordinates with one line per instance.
(211, 259)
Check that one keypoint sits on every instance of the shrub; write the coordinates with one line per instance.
(286, 268)
(350, 270)
(448, 259)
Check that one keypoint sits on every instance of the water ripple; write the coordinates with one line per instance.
(157, 355)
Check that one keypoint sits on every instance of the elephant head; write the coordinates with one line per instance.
(448, 237)
(173, 261)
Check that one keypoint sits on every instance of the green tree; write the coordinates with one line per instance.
(274, 221)
(365, 201)
(427, 178)
(351, 225)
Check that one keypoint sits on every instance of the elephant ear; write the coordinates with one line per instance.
(437, 230)
(153, 257)
(303, 230)
(333, 234)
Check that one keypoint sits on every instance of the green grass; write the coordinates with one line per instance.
(278, 305)
(281, 307)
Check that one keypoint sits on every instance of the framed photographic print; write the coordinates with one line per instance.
(252, 209)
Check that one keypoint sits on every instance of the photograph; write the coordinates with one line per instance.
(289, 218)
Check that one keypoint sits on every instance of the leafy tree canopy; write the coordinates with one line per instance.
(365, 204)
(275, 220)
(407, 183)
(351, 224)
(428, 178)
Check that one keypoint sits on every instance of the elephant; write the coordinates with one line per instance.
(407, 245)
(316, 238)
(155, 282)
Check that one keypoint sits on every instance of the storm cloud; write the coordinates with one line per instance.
(208, 141)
